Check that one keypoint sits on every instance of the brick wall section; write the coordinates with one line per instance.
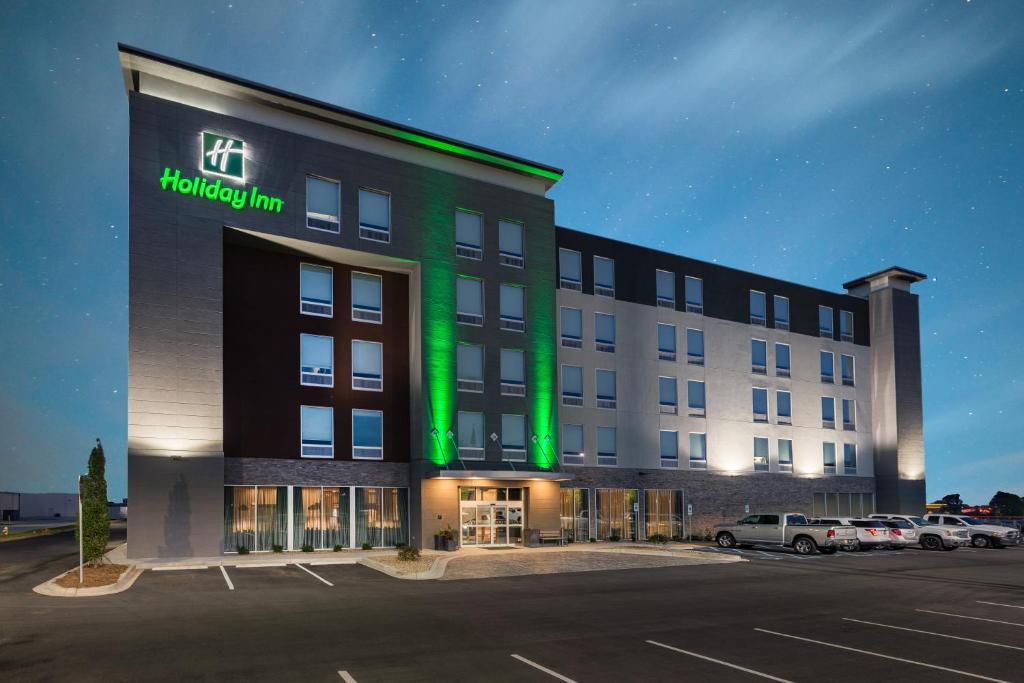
(275, 472)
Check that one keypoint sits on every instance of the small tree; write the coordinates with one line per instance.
(95, 524)
(1004, 503)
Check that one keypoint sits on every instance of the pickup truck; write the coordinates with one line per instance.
(786, 529)
(933, 535)
(982, 535)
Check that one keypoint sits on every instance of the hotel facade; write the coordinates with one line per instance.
(344, 331)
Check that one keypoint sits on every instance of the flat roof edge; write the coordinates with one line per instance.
(894, 271)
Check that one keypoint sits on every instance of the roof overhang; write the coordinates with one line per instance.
(901, 277)
(502, 475)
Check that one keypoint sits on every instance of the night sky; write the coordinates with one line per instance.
(808, 141)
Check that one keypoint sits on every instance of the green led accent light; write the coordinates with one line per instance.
(237, 198)
(541, 359)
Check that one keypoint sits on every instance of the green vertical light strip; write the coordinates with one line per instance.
(541, 355)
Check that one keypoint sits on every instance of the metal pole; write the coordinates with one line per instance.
(81, 552)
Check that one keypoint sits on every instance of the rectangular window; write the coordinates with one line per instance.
(317, 431)
(760, 454)
(606, 446)
(850, 458)
(845, 326)
(510, 244)
(849, 415)
(316, 360)
(828, 457)
(513, 372)
(367, 365)
(781, 360)
(665, 282)
(469, 300)
(669, 447)
(605, 388)
(825, 321)
(572, 385)
(570, 270)
(828, 362)
(668, 398)
(469, 362)
(512, 307)
(784, 407)
(666, 341)
(572, 444)
(828, 412)
(785, 455)
(695, 398)
(694, 294)
(572, 327)
(604, 276)
(368, 434)
(846, 368)
(759, 356)
(604, 332)
(323, 204)
(760, 401)
(469, 235)
(374, 215)
(758, 308)
(513, 438)
(694, 346)
(471, 435)
(781, 306)
(316, 290)
(698, 451)
(366, 298)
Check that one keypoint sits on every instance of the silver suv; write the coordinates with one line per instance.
(933, 536)
(982, 535)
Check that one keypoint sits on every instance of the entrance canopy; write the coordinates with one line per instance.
(520, 475)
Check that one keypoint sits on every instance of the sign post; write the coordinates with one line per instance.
(689, 517)
(81, 535)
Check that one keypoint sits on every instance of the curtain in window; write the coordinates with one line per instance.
(569, 265)
(366, 291)
(316, 351)
(366, 359)
(663, 512)
(694, 394)
(785, 452)
(367, 429)
(575, 514)
(271, 516)
(239, 518)
(336, 522)
(513, 366)
(468, 229)
(606, 384)
(395, 518)
(307, 517)
(615, 513)
(469, 295)
(828, 454)
(322, 197)
(694, 291)
(572, 380)
(316, 283)
(667, 391)
(470, 362)
(604, 328)
(666, 338)
(374, 209)
(572, 323)
(760, 450)
(666, 284)
(471, 430)
(604, 272)
(512, 302)
(510, 238)
(317, 425)
(368, 516)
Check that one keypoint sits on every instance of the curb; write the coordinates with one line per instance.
(123, 583)
(436, 570)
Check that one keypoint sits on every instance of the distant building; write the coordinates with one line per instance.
(29, 506)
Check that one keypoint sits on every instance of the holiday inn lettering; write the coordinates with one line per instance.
(238, 199)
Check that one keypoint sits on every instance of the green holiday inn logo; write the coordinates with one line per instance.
(223, 156)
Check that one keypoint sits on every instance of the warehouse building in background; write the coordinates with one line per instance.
(345, 331)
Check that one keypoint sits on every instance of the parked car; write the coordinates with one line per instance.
(871, 533)
(785, 529)
(933, 536)
(982, 534)
(901, 533)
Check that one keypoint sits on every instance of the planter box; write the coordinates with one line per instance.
(445, 543)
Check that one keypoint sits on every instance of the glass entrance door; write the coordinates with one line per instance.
(491, 516)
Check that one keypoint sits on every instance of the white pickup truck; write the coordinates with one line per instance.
(786, 529)
(982, 535)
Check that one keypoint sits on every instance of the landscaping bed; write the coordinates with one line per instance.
(95, 576)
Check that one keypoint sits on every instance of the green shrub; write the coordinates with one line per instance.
(658, 538)
(307, 548)
(408, 553)
(593, 540)
(95, 526)
(242, 550)
(337, 548)
(614, 538)
(277, 548)
(367, 546)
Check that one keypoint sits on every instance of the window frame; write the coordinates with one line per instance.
(355, 448)
(508, 259)
(303, 373)
(778, 323)
(753, 405)
(606, 455)
(692, 359)
(561, 386)
(609, 403)
(766, 465)
(831, 377)
(474, 455)
(661, 301)
(510, 323)
(315, 302)
(830, 332)
(578, 456)
(788, 370)
(843, 316)
(464, 383)
(517, 451)
(469, 251)
(380, 312)
(602, 289)
(669, 408)
(467, 318)
(761, 321)
(302, 442)
(852, 382)
(568, 283)
(674, 460)
(603, 345)
(569, 341)
(352, 365)
(826, 424)
(692, 307)
(511, 387)
(697, 411)
(665, 354)
(323, 217)
(370, 228)
(779, 417)
(754, 368)
(697, 463)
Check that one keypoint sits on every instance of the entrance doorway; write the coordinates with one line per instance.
(491, 516)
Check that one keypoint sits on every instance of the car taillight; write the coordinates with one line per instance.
(873, 532)
(895, 532)
(831, 533)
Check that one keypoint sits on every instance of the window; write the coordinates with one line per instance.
(469, 300)
(317, 432)
(604, 276)
(694, 346)
(323, 204)
(368, 434)
(781, 306)
(760, 454)
(827, 367)
(758, 306)
(669, 447)
(316, 360)
(605, 388)
(316, 290)
(695, 397)
(668, 399)
(666, 341)
(510, 244)
(570, 270)
(846, 326)
(604, 332)
(572, 327)
(828, 457)
(825, 321)
(760, 400)
(512, 307)
(784, 407)
(572, 385)
(694, 294)
(366, 298)
(850, 458)
(469, 235)
(572, 444)
(828, 412)
(513, 437)
(781, 360)
(375, 215)
(469, 362)
(698, 451)
(665, 283)
(367, 371)
(759, 356)
(471, 435)
(606, 452)
(785, 455)
(513, 372)
(849, 415)
(846, 369)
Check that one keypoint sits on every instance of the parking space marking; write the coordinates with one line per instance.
(258, 565)
(223, 571)
(932, 633)
(181, 568)
(546, 670)
(346, 676)
(999, 604)
(314, 574)
(878, 654)
(964, 616)
(719, 661)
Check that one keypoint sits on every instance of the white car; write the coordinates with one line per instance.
(982, 535)
(871, 533)
(933, 536)
(901, 533)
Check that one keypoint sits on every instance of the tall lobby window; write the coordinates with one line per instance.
(828, 369)
(510, 244)
(367, 365)
(698, 451)
(604, 276)
(668, 442)
(783, 407)
(668, 396)
(849, 415)
(572, 385)
(666, 341)
(785, 455)
(758, 308)
(828, 457)
(469, 300)
(604, 332)
(781, 360)
(694, 346)
(323, 204)
(513, 372)
(366, 298)
(572, 444)
(512, 307)
(695, 402)
(316, 360)
(471, 435)
(665, 283)
(849, 458)
(694, 290)
(571, 321)
(846, 369)
(607, 453)
(606, 388)
(570, 270)
(374, 215)
(760, 454)
(825, 321)
(759, 356)
(469, 234)
(846, 326)
(368, 434)
(382, 516)
(316, 290)
(513, 438)
(781, 310)
(317, 431)
(760, 403)
(469, 367)
(828, 412)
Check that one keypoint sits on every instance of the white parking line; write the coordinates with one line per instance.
(932, 633)
(999, 604)
(719, 661)
(546, 670)
(180, 568)
(878, 654)
(223, 571)
(257, 565)
(964, 616)
(346, 676)
(314, 574)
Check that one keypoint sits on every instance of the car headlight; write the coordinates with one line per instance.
(950, 532)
